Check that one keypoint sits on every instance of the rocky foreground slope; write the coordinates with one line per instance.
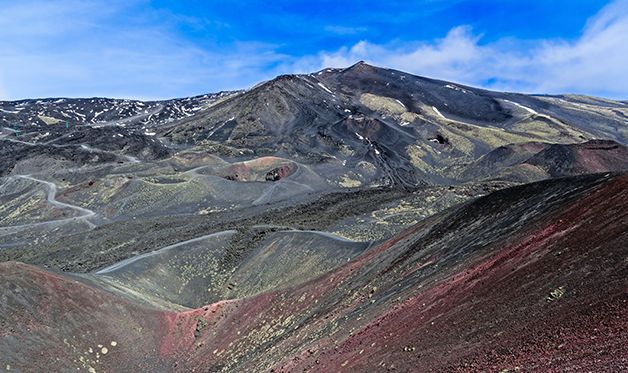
(529, 278)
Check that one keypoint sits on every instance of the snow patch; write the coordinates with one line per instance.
(529, 110)
(325, 88)
(438, 112)
(456, 88)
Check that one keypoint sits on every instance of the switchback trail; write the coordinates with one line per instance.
(51, 198)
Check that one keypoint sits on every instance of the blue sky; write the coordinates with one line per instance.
(160, 49)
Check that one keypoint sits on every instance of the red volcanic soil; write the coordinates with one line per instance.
(53, 322)
(529, 162)
(578, 159)
(531, 278)
(259, 169)
(498, 313)
(470, 308)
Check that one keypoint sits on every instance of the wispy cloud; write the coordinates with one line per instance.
(595, 63)
(110, 48)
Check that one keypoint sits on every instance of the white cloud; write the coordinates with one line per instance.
(453, 57)
(110, 48)
(595, 63)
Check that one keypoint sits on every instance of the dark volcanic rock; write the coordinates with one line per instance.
(534, 161)
(560, 160)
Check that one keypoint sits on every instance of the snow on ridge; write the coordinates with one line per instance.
(456, 88)
(438, 112)
(325, 88)
(529, 110)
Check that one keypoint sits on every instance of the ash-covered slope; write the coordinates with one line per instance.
(289, 140)
(559, 160)
(528, 278)
(71, 132)
(209, 269)
(58, 148)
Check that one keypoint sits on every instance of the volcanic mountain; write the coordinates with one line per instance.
(408, 127)
(357, 219)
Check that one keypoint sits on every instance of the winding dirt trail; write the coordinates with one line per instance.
(134, 259)
(51, 194)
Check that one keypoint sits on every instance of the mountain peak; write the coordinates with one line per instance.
(360, 65)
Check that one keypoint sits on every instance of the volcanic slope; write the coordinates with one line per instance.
(282, 152)
(102, 111)
(362, 126)
(527, 278)
(536, 161)
(202, 271)
(369, 124)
